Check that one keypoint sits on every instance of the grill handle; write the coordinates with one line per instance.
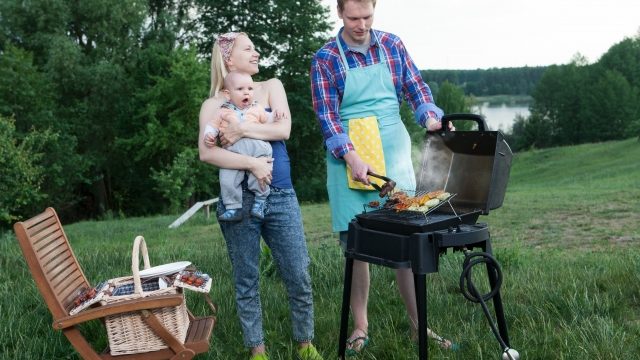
(479, 119)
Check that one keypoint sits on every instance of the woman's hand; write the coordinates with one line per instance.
(279, 114)
(262, 169)
(230, 129)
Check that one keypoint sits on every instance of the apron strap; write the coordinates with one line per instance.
(381, 53)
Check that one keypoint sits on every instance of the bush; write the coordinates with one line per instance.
(21, 175)
(184, 179)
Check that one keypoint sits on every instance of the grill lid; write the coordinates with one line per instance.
(473, 164)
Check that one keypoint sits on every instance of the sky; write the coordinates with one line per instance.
(483, 34)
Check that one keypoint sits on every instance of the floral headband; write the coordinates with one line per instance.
(225, 43)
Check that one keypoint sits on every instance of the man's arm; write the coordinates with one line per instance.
(417, 92)
(326, 103)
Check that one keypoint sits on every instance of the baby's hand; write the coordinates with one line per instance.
(210, 135)
(209, 140)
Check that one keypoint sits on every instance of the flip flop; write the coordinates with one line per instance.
(353, 349)
(447, 344)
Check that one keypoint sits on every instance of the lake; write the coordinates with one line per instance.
(500, 116)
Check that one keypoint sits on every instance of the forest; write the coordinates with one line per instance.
(486, 82)
(99, 100)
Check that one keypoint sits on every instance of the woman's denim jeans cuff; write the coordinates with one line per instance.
(303, 340)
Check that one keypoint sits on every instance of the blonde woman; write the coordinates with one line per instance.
(281, 228)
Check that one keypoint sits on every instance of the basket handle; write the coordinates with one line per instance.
(138, 245)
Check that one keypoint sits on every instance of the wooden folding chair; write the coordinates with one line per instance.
(59, 278)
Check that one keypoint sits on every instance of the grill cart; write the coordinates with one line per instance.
(473, 166)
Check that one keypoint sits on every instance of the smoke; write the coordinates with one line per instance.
(435, 165)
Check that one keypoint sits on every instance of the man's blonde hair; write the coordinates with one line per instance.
(342, 2)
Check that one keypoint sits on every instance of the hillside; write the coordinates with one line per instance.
(581, 196)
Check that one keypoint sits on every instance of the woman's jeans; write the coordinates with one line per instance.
(282, 230)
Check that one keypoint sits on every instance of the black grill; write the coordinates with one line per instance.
(474, 165)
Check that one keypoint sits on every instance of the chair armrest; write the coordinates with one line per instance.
(118, 308)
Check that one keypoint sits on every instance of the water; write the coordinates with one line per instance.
(500, 116)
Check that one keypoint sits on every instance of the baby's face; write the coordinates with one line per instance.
(240, 91)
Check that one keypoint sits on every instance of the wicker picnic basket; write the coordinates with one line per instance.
(128, 333)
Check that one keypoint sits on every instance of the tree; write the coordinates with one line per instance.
(25, 92)
(166, 127)
(27, 95)
(559, 103)
(579, 103)
(624, 57)
(22, 173)
(452, 100)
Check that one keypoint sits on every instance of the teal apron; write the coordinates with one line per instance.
(369, 91)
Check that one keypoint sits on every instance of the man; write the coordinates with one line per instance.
(358, 81)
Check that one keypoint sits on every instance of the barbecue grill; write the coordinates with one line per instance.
(472, 165)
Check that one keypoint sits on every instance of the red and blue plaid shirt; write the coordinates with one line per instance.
(328, 80)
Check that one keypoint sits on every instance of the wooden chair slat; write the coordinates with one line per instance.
(46, 237)
(43, 226)
(52, 250)
(68, 293)
(199, 334)
(47, 214)
(63, 271)
(58, 259)
(52, 256)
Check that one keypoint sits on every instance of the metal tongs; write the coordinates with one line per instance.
(386, 188)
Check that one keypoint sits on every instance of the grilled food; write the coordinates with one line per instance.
(400, 201)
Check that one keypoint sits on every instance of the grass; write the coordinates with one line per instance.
(567, 237)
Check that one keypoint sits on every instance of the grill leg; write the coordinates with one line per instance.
(497, 304)
(420, 281)
(346, 298)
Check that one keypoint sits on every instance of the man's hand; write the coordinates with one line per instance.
(359, 168)
(433, 125)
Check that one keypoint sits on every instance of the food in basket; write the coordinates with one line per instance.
(194, 280)
(88, 296)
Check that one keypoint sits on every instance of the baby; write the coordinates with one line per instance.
(238, 90)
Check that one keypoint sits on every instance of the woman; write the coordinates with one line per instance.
(281, 227)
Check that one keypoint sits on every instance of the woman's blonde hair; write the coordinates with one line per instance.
(218, 63)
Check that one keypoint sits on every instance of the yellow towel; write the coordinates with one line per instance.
(365, 136)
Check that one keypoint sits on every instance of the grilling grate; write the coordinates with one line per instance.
(408, 214)
(408, 222)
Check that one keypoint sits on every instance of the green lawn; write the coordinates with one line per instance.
(567, 237)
